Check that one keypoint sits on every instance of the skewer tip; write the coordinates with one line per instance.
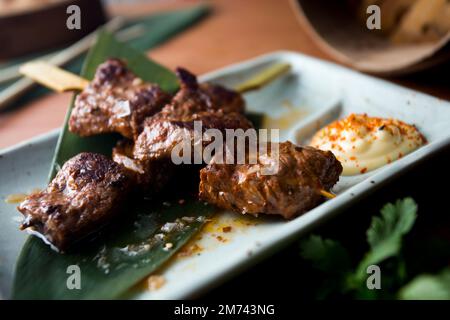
(264, 77)
(52, 77)
(327, 194)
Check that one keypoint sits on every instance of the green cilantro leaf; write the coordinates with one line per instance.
(325, 254)
(384, 237)
(428, 287)
(386, 233)
(331, 259)
(395, 221)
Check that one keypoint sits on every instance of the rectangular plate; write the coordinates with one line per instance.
(320, 92)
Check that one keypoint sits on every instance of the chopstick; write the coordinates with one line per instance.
(14, 91)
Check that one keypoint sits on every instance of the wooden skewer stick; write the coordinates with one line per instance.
(60, 80)
(53, 77)
(327, 194)
(264, 77)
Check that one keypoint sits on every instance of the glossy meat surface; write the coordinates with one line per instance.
(115, 101)
(291, 191)
(161, 135)
(85, 194)
(215, 106)
(150, 177)
(194, 97)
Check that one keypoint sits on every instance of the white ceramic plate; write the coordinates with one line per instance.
(320, 92)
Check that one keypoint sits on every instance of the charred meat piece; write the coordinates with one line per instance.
(223, 98)
(162, 134)
(291, 191)
(150, 177)
(194, 97)
(85, 194)
(115, 101)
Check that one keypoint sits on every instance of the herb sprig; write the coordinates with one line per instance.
(385, 237)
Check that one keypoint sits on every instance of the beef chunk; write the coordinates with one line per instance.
(85, 194)
(150, 177)
(216, 107)
(194, 98)
(162, 133)
(115, 101)
(291, 191)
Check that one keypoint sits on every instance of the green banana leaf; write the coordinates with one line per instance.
(126, 252)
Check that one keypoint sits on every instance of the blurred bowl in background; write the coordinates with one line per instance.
(30, 28)
(337, 30)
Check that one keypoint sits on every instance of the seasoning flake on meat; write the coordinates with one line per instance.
(116, 100)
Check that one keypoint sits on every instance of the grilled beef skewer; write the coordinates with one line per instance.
(90, 188)
(85, 194)
(216, 107)
(117, 101)
(295, 188)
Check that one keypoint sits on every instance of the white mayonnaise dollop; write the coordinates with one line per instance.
(362, 143)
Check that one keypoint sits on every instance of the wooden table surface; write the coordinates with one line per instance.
(236, 30)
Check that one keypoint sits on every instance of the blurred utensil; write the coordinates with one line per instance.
(14, 91)
(12, 73)
(336, 29)
(28, 26)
